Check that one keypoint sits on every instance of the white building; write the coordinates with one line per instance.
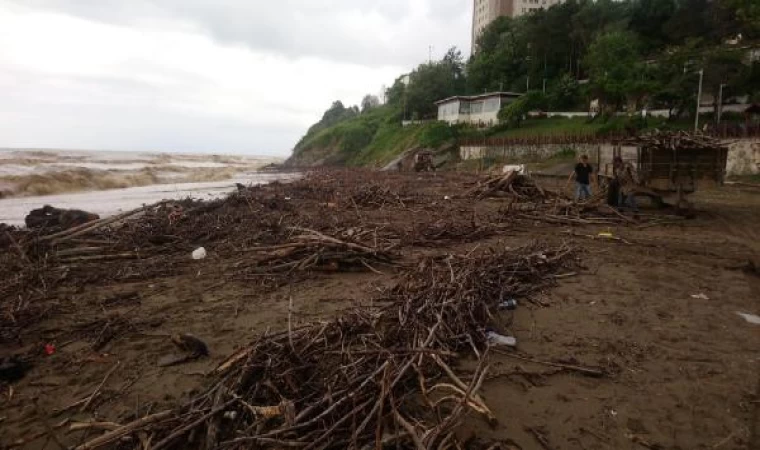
(476, 109)
(486, 11)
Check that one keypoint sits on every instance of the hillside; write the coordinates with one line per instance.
(622, 56)
(372, 138)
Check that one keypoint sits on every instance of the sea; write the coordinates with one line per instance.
(108, 182)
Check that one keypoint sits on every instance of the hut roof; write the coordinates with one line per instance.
(672, 140)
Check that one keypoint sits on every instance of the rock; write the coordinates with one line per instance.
(48, 216)
(13, 369)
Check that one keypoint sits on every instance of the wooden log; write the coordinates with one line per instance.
(125, 430)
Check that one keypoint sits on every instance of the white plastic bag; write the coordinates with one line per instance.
(199, 253)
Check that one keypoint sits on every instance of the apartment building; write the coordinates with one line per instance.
(486, 11)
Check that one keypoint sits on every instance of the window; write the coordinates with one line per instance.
(491, 105)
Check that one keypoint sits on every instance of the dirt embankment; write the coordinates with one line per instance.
(631, 340)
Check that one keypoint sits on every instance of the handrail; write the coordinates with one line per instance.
(723, 132)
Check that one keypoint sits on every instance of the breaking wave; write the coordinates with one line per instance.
(83, 179)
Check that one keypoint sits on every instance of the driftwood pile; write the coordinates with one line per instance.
(529, 201)
(448, 230)
(512, 185)
(376, 195)
(327, 221)
(312, 250)
(675, 140)
(273, 227)
(374, 377)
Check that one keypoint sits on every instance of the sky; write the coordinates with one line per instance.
(218, 76)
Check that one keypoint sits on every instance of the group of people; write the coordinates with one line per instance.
(622, 187)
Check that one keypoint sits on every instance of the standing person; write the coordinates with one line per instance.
(582, 174)
(627, 179)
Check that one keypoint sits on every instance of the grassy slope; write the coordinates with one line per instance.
(375, 138)
(371, 139)
(579, 125)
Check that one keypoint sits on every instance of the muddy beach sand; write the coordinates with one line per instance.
(655, 310)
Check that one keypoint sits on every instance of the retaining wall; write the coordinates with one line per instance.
(743, 154)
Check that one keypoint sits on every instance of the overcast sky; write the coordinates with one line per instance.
(203, 75)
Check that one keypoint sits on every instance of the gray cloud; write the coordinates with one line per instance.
(367, 32)
(203, 75)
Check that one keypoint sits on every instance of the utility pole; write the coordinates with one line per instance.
(544, 85)
(720, 102)
(527, 84)
(699, 100)
(430, 54)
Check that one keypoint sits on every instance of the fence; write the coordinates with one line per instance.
(549, 139)
(725, 131)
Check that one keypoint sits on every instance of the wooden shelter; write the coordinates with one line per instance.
(672, 163)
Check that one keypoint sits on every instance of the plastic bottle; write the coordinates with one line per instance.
(509, 304)
(497, 339)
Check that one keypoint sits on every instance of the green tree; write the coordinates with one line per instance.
(615, 67)
(514, 113)
(724, 66)
(690, 21)
(564, 93)
(501, 61)
(432, 82)
(369, 102)
(648, 19)
(747, 14)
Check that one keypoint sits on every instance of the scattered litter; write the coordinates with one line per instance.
(192, 348)
(700, 296)
(231, 415)
(606, 234)
(190, 344)
(49, 349)
(497, 339)
(447, 198)
(199, 253)
(12, 369)
(509, 305)
(751, 318)
(519, 168)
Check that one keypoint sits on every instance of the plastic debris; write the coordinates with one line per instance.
(12, 369)
(497, 339)
(199, 253)
(49, 349)
(700, 296)
(751, 318)
(509, 304)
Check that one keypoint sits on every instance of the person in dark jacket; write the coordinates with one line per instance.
(583, 174)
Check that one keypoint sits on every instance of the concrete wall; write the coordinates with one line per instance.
(527, 153)
(743, 155)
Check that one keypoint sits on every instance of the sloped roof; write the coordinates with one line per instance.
(479, 97)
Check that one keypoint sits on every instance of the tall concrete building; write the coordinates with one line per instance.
(486, 11)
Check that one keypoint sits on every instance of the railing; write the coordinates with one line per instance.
(735, 131)
(549, 139)
(726, 131)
